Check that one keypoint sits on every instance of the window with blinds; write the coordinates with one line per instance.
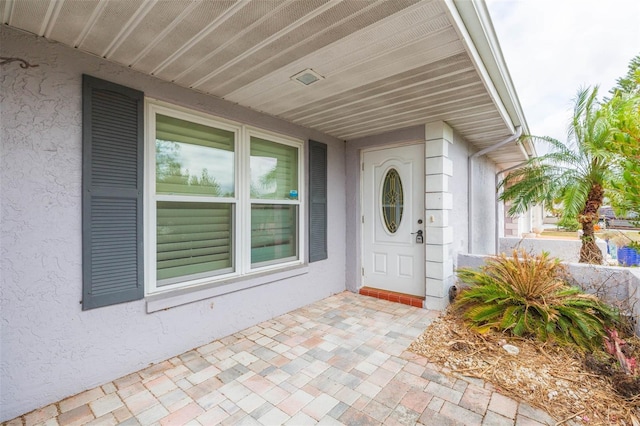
(193, 239)
(207, 220)
(274, 201)
(195, 200)
(192, 158)
(274, 170)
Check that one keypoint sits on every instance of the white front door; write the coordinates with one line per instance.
(393, 213)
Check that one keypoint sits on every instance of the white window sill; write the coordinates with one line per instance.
(159, 302)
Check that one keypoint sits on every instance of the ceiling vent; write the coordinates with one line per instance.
(307, 77)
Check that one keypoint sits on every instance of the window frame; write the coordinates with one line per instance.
(254, 132)
(242, 201)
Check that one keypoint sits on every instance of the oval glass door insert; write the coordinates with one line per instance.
(392, 200)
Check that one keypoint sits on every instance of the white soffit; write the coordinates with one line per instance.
(385, 64)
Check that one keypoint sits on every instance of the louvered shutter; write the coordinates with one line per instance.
(317, 201)
(112, 181)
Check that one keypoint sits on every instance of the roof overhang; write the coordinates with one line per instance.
(376, 66)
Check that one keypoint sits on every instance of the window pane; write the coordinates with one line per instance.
(274, 170)
(273, 232)
(392, 200)
(193, 239)
(193, 158)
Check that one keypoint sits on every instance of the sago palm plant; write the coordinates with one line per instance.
(528, 296)
(578, 172)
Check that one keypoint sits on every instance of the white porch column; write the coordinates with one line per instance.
(438, 204)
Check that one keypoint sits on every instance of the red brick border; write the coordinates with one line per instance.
(392, 296)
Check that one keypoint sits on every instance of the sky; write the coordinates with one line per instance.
(554, 47)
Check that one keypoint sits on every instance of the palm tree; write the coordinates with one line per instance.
(577, 172)
(624, 110)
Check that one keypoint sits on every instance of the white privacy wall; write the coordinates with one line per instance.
(51, 349)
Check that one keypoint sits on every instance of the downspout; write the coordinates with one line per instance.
(480, 153)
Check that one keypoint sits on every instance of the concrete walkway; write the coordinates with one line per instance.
(342, 360)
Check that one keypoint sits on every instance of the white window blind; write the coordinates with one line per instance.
(224, 199)
(192, 158)
(193, 238)
(274, 176)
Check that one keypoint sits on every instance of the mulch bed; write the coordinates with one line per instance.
(567, 384)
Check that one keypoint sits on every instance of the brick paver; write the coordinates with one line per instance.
(41, 415)
(475, 399)
(503, 405)
(80, 399)
(494, 419)
(341, 360)
(77, 416)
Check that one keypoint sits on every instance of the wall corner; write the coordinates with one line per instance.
(438, 203)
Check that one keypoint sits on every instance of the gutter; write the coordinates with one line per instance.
(455, 9)
(470, 161)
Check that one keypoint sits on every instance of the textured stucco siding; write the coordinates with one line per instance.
(483, 193)
(50, 348)
(565, 250)
(484, 220)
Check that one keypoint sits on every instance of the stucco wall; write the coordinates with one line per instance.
(483, 193)
(484, 220)
(50, 348)
(565, 250)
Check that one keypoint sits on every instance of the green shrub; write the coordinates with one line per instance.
(527, 296)
(569, 224)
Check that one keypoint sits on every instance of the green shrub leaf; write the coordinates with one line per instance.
(527, 295)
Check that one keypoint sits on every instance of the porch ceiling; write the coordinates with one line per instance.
(386, 65)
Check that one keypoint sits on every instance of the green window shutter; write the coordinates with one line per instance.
(317, 201)
(112, 181)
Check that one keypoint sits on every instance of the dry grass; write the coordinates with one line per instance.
(547, 376)
(568, 235)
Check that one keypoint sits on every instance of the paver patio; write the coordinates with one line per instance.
(341, 360)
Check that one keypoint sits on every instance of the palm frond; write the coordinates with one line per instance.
(510, 317)
(527, 186)
(574, 171)
(554, 144)
(575, 197)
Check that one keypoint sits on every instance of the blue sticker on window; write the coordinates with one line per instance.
(293, 193)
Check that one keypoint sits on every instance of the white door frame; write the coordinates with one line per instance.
(420, 283)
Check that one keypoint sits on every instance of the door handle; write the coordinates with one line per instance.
(419, 237)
